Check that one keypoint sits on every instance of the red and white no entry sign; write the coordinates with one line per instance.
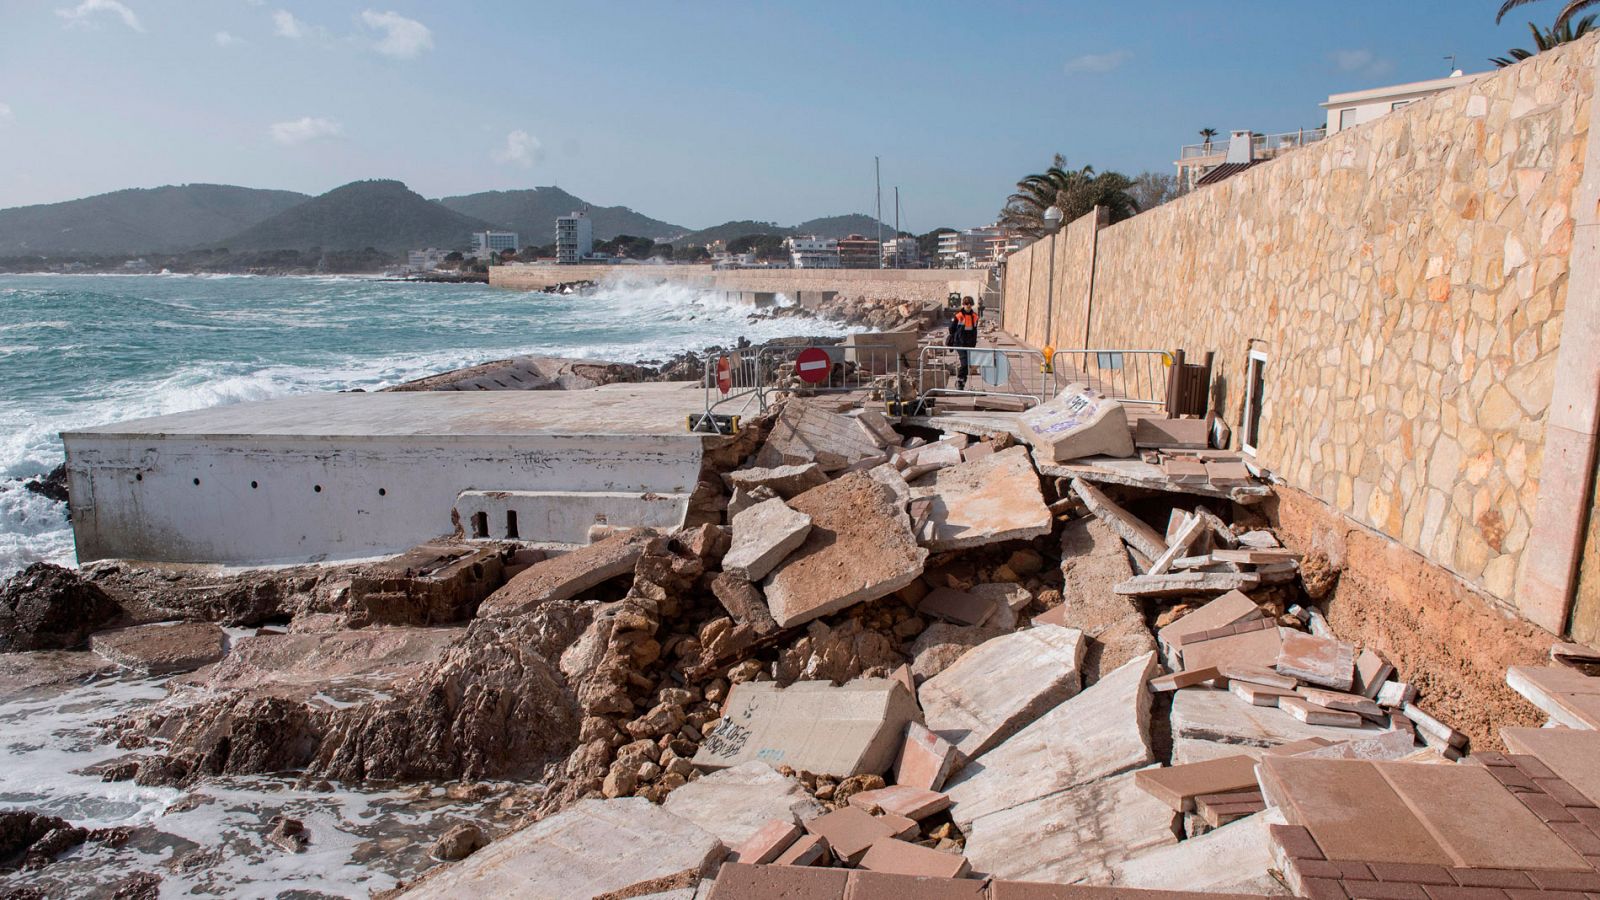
(724, 374)
(813, 365)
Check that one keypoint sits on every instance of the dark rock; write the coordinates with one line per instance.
(138, 886)
(288, 834)
(460, 842)
(30, 839)
(46, 607)
(53, 486)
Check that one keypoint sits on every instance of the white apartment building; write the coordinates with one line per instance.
(424, 260)
(976, 248)
(574, 238)
(812, 252)
(1351, 109)
(489, 243)
(901, 253)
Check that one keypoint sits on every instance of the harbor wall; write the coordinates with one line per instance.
(896, 284)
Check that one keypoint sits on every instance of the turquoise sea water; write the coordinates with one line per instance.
(79, 350)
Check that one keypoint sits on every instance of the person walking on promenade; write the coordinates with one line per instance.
(963, 333)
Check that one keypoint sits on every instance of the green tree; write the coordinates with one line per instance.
(1075, 192)
(1569, 8)
(1547, 39)
(691, 253)
(764, 246)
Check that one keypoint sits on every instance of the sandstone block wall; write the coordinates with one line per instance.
(1407, 280)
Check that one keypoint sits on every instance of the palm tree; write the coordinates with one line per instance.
(1546, 39)
(1570, 9)
(1206, 134)
(1073, 191)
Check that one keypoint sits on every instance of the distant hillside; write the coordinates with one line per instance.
(140, 220)
(727, 231)
(827, 227)
(532, 215)
(382, 214)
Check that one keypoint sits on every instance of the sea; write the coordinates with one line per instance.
(80, 350)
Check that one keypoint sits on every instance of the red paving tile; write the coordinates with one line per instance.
(1420, 874)
(1500, 878)
(1454, 803)
(739, 881)
(1566, 881)
(1296, 840)
(1384, 890)
(880, 886)
(1351, 811)
(1450, 892)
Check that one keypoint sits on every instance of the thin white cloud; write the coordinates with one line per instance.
(5, 113)
(1097, 63)
(224, 39)
(86, 12)
(1364, 62)
(403, 38)
(521, 148)
(284, 24)
(306, 128)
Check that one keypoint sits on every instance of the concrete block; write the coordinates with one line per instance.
(1372, 670)
(736, 802)
(813, 726)
(785, 481)
(763, 536)
(566, 576)
(1172, 434)
(996, 498)
(900, 858)
(593, 847)
(1078, 835)
(1101, 731)
(1000, 686)
(1077, 423)
(1235, 858)
(925, 759)
(860, 548)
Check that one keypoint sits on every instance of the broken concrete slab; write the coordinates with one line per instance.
(1002, 685)
(901, 800)
(850, 832)
(807, 432)
(744, 603)
(878, 428)
(1133, 530)
(1178, 544)
(926, 760)
(763, 536)
(1101, 731)
(1557, 691)
(993, 499)
(785, 481)
(1323, 661)
(1074, 835)
(1388, 745)
(1219, 716)
(812, 726)
(860, 548)
(939, 646)
(1093, 559)
(593, 847)
(736, 802)
(162, 649)
(1233, 859)
(900, 858)
(1234, 606)
(566, 576)
(1077, 422)
(1183, 584)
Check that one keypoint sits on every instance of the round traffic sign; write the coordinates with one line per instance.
(813, 365)
(724, 374)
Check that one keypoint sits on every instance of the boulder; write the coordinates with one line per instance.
(812, 726)
(735, 803)
(162, 649)
(629, 847)
(763, 536)
(46, 607)
(460, 842)
(860, 548)
(784, 481)
(995, 498)
(1078, 422)
(566, 576)
(996, 689)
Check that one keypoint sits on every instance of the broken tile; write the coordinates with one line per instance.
(1185, 471)
(807, 850)
(1557, 690)
(1313, 714)
(1259, 647)
(1389, 745)
(1255, 557)
(864, 885)
(1262, 675)
(768, 842)
(878, 428)
(1076, 423)
(901, 800)
(900, 858)
(996, 498)
(1183, 584)
(1219, 716)
(1317, 660)
(763, 536)
(1341, 701)
(1130, 528)
(1258, 694)
(784, 481)
(737, 881)
(1372, 670)
(1234, 606)
(1395, 693)
(1182, 679)
(1235, 858)
(925, 760)
(849, 832)
(1428, 726)
(813, 726)
(1569, 753)
(1228, 473)
(1000, 686)
(1177, 786)
(1259, 540)
(736, 802)
(806, 432)
(1178, 544)
(1456, 803)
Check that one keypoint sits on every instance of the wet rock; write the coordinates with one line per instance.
(52, 486)
(138, 886)
(22, 673)
(46, 607)
(460, 842)
(30, 839)
(289, 835)
(941, 644)
(161, 649)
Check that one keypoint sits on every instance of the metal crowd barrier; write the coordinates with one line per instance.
(752, 375)
(1131, 376)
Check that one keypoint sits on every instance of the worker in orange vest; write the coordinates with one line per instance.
(963, 333)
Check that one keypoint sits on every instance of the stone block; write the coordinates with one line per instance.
(956, 607)
(813, 726)
(997, 688)
(1099, 732)
(1323, 661)
(767, 843)
(785, 481)
(1234, 606)
(566, 576)
(860, 548)
(1077, 423)
(1236, 859)
(736, 802)
(161, 649)
(1372, 670)
(850, 832)
(901, 800)
(1171, 434)
(763, 536)
(925, 759)
(900, 858)
(1219, 716)
(744, 602)
(628, 846)
(807, 432)
(996, 498)
(807, 850)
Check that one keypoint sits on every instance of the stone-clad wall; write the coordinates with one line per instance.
(1406, 279)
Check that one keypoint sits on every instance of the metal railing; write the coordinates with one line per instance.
(1131, 376)
(1259, 143)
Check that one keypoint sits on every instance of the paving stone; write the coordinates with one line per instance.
(1000, 686)
(1206, 715)
(1322, 661)
(566, 576)
(849, 832)
(1177, 681)
(1231, 607)
(785, 481)
(1258, 694)
(1076, 423)
(1386, 746)
(901, 800)
(1025, 890)
(993, 499)
(1235, 858)
(813, 726)
(736, 802)
(1372, 670)
(763, 536)
(1177, 786)
(1258, 647)
(1341, 701)
(738, 881)
(1099, 732)
(1184, 584)
(592, 847)
(860, 548)
(1558, 691)
(1314, 714)
(1262, 675)
(1074, 835)
(161, 649)
(925, 759)
(1456, 803)
(1133, 530)
(807, 850)
(1569, 753)
(1395, 694)
(897, 857)
(768, 842)
(1350, 809)
(958, 607)
(884, 886)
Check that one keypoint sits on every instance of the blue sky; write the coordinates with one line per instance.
(694, 112)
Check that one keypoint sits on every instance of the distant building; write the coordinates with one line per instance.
(424, 260)
(812, 252)
(489, 243)
(1356, 107)
(574, 238)
(857, 252)
(901, 253)
(1196, 161)
(977, 248)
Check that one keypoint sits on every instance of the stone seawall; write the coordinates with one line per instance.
(890, 284)
(1408, 282)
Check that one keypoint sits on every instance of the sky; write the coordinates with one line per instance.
(695, 112)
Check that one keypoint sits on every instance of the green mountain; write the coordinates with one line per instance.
(532, 215)
(382, 214)
(139, 220)
(826, 227)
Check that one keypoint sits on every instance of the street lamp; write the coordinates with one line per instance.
(1053, 217)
